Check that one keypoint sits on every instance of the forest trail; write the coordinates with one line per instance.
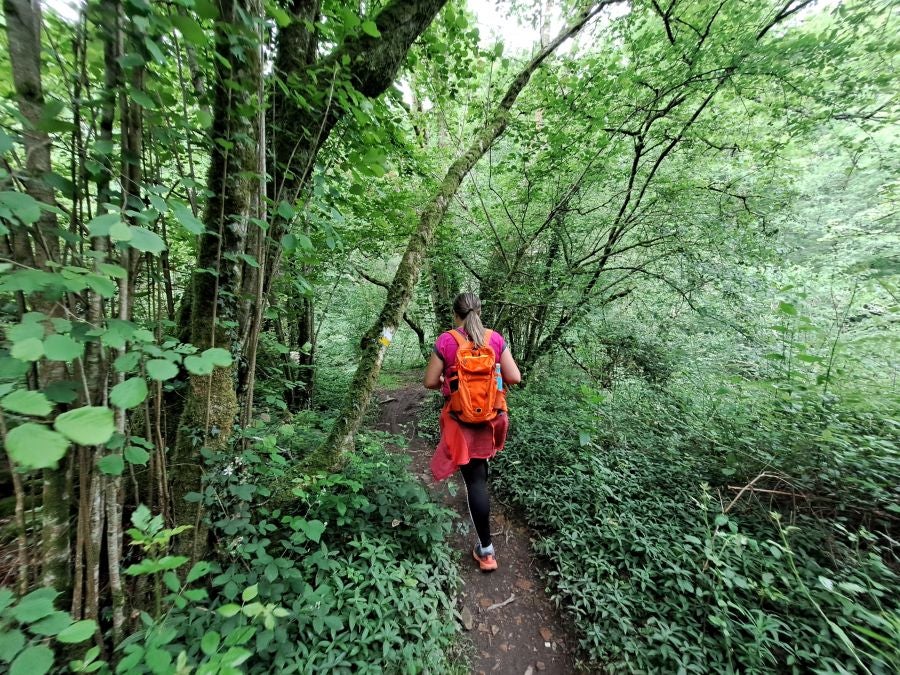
(522, 636)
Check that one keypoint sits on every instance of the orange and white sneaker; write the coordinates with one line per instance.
(487, 562)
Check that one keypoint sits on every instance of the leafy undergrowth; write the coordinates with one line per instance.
(351, 574)
(655, 574)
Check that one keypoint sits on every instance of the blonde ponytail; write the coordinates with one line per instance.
(467, 307)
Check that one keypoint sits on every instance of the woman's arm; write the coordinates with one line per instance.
(433, 372)
(508, 368)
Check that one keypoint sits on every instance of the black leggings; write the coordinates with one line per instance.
(475, 473)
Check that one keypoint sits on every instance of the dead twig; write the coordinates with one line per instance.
(498, 605)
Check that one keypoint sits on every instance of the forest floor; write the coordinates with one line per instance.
(511, 623)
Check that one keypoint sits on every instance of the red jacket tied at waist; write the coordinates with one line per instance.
(461, 442)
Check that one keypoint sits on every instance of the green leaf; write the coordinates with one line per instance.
(312, 529)
(161, 369)
(250, 592)
(209, 643)
(229, 610)
(120, 232)
(99, 226)
(218, 356)
(24, 207)
(187, 219)
(127, 362)
(33, 446)
(35, 660)
(206, 9)
(111, 465)
(51, 624)
(190, 29)
(130, 393)
(369, 28)
(31, 349)
(197, 365)
(198, 570)
(62, 391)
(787, 308)
(11, 643)
(25, 402)
(90, 425)
(78, 632)
(62, 348)
(136, 455)
(142, 99)
(144, 240)
(34, 606)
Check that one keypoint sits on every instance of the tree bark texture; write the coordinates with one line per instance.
(211, 402)
(23, 31)
(377, 339)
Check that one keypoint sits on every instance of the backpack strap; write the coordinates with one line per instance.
(462, 341)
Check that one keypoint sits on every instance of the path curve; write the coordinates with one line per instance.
(522, 636)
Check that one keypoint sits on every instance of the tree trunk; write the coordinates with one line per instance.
(211, 401)
(377, 339)
(23, 31)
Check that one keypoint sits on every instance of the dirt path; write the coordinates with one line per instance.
(512, 625)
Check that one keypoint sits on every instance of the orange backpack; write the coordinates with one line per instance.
(476, 387)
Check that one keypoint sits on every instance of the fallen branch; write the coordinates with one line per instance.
(498, 605)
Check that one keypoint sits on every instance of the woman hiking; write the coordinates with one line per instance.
(471, 366)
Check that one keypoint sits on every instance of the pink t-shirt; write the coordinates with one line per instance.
(445, 347)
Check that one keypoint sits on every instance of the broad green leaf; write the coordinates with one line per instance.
(120, 232)
(190, 29)
(161, 369)
(209, 643)
(197, 365)
(63, 391)
(99, 226)
(127, 362)
(62, 348)
(34, 660)
(206, 9)
(229, 610)
(130, 393)
(34, 446)
(198, 570)
(90, 425)
(136, 455)
(218, 356)
(78, 632)
(25, 208)
(112, 465)
(51, 624)
(34, 606)
(31, 349)
(187, 219)
(142, 99)
(369, 28)
(25, 330)
(144, 240)
(25, 402)
(249, 593)
(11, 643)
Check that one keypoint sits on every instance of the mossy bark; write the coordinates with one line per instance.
(211, 406)
(23, 31)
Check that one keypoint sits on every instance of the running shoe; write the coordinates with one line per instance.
(487, 563)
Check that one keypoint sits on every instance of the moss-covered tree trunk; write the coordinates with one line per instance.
(23, 32)
(377, 339)
(211, 402)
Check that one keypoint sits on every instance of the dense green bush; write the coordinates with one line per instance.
(628, 491)
(351, 574)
